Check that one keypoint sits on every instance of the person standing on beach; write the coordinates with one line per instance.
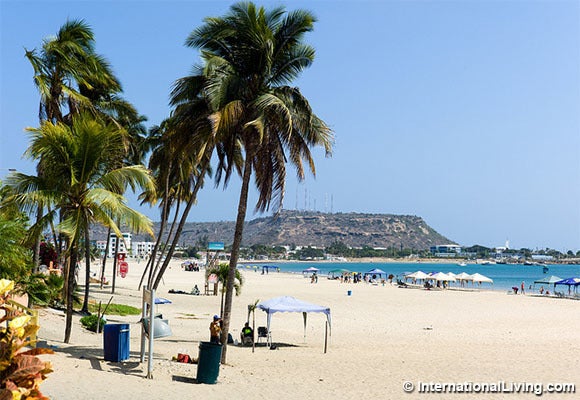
(522, 288)
(215, 330)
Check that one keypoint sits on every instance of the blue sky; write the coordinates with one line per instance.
(465, 113)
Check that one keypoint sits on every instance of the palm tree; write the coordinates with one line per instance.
(71, 78)
(182, 159)
(251, 55)
(222, 272)
(85, 157)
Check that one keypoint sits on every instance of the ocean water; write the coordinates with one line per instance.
(504, 275)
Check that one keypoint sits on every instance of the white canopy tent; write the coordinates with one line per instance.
(291, 304)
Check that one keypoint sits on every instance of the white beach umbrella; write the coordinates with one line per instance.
(481, 278)
(451, 274)
(464, 276)
(441, 276)
(417, 275)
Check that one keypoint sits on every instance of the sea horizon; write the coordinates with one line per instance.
(504, 276)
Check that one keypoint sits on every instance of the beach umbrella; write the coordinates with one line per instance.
(311, 269)
(464, 276)
(481, 278)
(417, 275)
(441, 276)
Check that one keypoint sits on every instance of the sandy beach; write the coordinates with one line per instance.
(382, 337)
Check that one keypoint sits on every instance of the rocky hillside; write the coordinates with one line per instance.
(318, 229)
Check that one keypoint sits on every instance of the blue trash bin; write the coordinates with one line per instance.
(116, 342)
(208, 363)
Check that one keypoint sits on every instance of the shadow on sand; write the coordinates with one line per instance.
(96, 359)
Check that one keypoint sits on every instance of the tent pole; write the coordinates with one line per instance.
(325, 337)
(304, 316)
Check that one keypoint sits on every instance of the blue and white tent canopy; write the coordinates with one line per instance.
(291, 304)
(569, 282)
(376, 271)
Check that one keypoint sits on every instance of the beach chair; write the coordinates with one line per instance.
(247, 340)
(400, 283)
(263, 333)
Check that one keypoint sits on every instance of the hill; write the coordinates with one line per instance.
(303, 228)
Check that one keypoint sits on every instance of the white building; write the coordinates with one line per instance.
(124, 245)
(445, 250)
(142, 249)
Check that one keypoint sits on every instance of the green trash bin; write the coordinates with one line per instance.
(208, 363)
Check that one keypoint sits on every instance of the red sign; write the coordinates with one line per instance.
(123, 269)
(121, 256)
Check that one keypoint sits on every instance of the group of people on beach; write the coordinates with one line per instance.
(215, 330)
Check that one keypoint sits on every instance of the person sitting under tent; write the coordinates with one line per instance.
(247, 334)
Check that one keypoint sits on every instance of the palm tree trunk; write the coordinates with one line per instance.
(85, 308)
(164, 245)
(115, 262)
(164, 219)
(242, 207)
(222, 301)
(70, 283)
(105, 258)
(193, 197)
(36, 255)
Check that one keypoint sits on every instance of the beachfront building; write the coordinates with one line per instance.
(142, 249)
(446, 250)
(101, 246)
(124, 245)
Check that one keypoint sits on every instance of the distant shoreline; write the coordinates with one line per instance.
(383, 260)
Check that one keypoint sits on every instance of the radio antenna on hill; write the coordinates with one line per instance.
(296, 207)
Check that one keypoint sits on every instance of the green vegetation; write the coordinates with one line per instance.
(308, 253)
(259, 250)
(222, 273)
(90, 322)
(116, 309)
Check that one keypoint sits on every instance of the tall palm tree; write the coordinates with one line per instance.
(71, 77)
(85, 157)
(251, 55)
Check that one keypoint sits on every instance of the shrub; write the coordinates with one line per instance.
(90, 322)
(21, 372)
